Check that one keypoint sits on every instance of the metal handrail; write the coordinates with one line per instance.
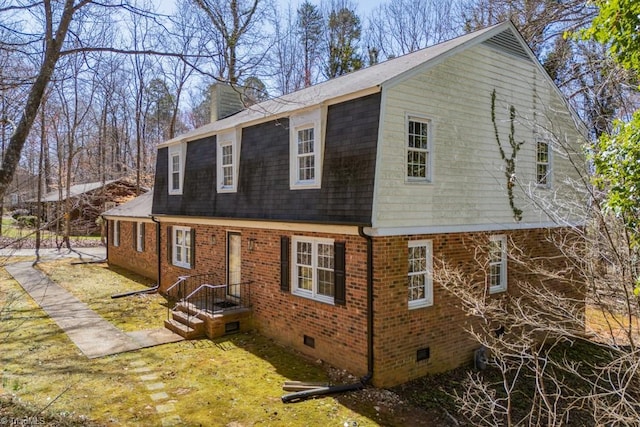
(204, 285)
(180, 280)
(207, 297)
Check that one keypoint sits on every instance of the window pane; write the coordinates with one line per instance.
(495, 275)
(417, 164)
(305, 278)
(306, 168)
(304, 253)
(495, 251)
(325, 256)
(227, 179)
(227, 155)
(187, 238)
(325, 283)
(305, 141)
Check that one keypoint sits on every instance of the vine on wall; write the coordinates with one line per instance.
(510, 162)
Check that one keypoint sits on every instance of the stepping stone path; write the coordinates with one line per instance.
(164, 407)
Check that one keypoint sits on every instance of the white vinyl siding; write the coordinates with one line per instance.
(468, 183)
(497, 276)
(420, 273)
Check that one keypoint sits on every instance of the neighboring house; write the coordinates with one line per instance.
(132, 236)
(23, 187)
(83, 204)
(331, 205)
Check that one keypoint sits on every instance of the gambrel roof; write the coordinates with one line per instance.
(504, 37)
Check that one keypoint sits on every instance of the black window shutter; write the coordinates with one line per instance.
(110, 232)
(340, 295)
(170, 244)
(285, 285)
(193, 248)
(134, 235)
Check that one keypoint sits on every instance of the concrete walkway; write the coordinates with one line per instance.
(93, 335)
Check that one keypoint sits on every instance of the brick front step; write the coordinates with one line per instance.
(183, 330)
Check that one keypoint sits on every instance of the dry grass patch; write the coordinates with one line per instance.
(237, 379)
(612, 327)
(94, 284)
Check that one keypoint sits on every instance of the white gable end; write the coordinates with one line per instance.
(468, 186)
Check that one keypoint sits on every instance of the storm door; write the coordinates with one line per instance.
(234, 264)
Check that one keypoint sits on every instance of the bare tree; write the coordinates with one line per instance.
(237, 34)
(409, 25)
(56, 27)
(561, 346)
(287, 72)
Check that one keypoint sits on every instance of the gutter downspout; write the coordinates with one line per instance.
(158, 248)
(301, 395)
(370, 358)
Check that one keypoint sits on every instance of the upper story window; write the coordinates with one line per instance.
(176, 168)
(420, 276)
(227, 162)
(497, 264)
(181, 249)
(419, 149)
(306, 150)
(313, 268)
(543, 164)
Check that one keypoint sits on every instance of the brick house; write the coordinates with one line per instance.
(132, 242)
(332, 203)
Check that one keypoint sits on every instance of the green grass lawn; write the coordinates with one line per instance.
(236, 380)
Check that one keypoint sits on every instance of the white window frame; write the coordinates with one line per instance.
(426, 274)
(176, 151)
(181, 252)
(139, 237)
(299, 123)
(428, 178)
(501, 263)
(548, 164)
(116, 233)
(312, 293)
(228, 139)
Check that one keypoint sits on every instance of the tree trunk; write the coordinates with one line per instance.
(53, 47)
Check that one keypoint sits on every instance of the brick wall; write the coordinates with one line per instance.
(339, 332)
(125, 254)
(401, 332)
